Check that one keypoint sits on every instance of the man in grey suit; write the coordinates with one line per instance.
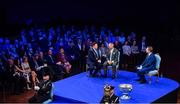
(112, 59)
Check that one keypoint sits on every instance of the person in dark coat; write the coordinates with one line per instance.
(149, 64)
(43, 90)
(94, 59)
(109, 96)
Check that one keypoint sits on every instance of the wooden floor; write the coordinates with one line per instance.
(23, 98)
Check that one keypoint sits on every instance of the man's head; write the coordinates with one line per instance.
(61, 50)
(10, 61)
(95, 45)
(36, 56)
(149, 49)
(49, 52)
(46, 76)
(111, 45)
(108, 90)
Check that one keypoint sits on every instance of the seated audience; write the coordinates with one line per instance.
(126, 54)
(62, 60)
(28, 73)
(20, 72)
(50, 59)
(134, 52)
(104, 51)
(13, 76)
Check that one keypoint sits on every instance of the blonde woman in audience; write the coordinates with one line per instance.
(28, 73)
(126, 54)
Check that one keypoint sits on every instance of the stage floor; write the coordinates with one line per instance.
(80, 88)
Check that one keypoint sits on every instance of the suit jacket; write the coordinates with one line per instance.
(49, 60)
(149, 63)
(93, 57)
(45, 89)
(114, 56)
(110, 100)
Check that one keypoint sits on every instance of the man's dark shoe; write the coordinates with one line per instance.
(138, 79)
(113, 77)
(105, 76)
(142, 81)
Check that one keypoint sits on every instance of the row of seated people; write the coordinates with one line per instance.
(96, 61)
(26, 74)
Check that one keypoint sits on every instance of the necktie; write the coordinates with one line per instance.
(52, 59)
(79, 46)
(96, 52)
(36, 64)
(111, 54)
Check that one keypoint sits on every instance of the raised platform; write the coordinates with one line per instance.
(80, 88)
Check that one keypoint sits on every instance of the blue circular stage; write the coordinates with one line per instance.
(83, 89)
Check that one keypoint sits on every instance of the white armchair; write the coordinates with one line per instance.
(155, 72)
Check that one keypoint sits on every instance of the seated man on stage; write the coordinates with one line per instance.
(94, 59)
(111, 60)
(43, 90)
(149, 64)
(109, 96)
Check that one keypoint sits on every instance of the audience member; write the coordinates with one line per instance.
(126, 54)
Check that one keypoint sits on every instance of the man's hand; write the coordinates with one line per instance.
(140, 67)
(45, 65)
(58, 63)
(36, 88)
(99, 61)
(109, 62)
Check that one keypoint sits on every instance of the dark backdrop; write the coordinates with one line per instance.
(159, 19)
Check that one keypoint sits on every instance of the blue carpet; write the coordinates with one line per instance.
(80, 88)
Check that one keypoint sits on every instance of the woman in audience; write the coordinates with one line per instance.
(62, 60)
(41, 58)
(104, 51)
(126, 54)
(28, 73)
(20, 72)
(135, 52)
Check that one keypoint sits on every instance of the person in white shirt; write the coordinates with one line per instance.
(135, 52)
(126, 54)
(28, 72)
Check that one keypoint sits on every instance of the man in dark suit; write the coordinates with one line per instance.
(109, 96)
(111, 60)
(55, 69)
(149, 64)
(50, 58)
(43, 90)
(94, 59)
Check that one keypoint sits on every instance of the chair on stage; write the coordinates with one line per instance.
(88, 69)
(51, 99)
(155, 72)
(109, 67)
